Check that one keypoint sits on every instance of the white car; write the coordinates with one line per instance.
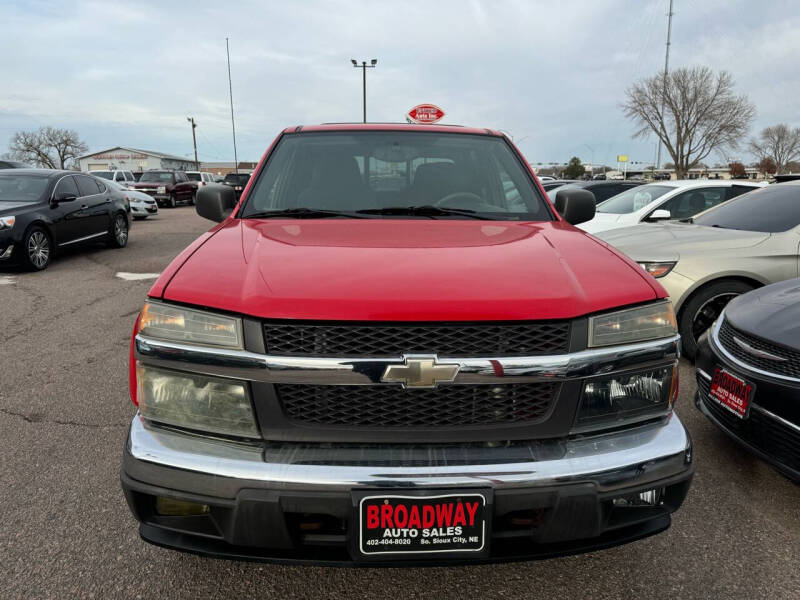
(123, 178)
(200, 177)
(142, 205)
(665, 201)
(546, 178)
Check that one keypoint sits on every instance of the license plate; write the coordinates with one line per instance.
(732, 392)
(413, 525)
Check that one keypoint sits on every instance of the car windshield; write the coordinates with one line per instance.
(404, 174)
(158, 176)
(194, 176)
(770, 210)
(22, 188)
(104, 174)
(237, 178)
(634, 199)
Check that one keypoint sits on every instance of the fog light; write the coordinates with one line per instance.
(170, 507)
(647, 498)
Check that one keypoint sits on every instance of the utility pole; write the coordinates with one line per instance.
(233, 124)
(666, 71)
(364, 66)
(194, 142)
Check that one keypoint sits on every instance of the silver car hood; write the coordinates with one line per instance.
(668, 241)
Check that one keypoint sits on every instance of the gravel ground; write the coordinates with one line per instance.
(65, 530)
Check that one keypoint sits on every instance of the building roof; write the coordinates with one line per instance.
(139, 151)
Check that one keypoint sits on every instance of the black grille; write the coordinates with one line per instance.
(761, 431)
(789, 367)
(393, 406)
(395, 339)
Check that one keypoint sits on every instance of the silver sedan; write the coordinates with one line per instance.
(739, 245)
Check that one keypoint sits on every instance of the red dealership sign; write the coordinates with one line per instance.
(425, 113)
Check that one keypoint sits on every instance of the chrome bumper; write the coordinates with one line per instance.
(618, 460)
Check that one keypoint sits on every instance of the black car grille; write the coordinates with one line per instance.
(769, 435)
(395, 339)
(393, 406)
(790, 367)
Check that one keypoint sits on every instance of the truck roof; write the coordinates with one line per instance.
(391, 127)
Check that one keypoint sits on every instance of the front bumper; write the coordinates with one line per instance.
(771, 429)
(293, 502)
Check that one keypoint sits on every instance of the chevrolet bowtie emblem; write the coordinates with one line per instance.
(420, 372)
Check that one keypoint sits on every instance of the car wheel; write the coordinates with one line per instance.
(703, 308)
(191, 199)
(173, 202)
(38, 249)
(118, 235)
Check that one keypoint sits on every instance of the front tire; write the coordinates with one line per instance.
(37, 249)
(703, 308)
(118, 235)
(173, 201)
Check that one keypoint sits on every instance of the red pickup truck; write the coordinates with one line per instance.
(393, 349)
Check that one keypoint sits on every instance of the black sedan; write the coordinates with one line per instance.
(602, 189)
(748, 373)
(238, 181)
(42, 211)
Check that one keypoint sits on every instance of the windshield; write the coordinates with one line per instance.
(770, 210)
(159, 176)
(104, 174)
(238, 178)
(194, 176)
(22, 188)
(633, 200)
(390, 173)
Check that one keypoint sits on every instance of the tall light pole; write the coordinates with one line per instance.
(364, 66)
(666, 71)
(194, 142)
(233, 125)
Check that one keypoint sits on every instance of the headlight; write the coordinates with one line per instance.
(199, 402)
(177, 324)
(161, 190)
(628, 397)
(7, 222)
(657, 269)
(647, 322)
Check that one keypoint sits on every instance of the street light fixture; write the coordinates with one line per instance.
(364, 66)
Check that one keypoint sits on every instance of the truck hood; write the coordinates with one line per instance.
(405, 270)
(670, 241)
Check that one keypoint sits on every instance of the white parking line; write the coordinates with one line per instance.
(137, 276)
(7, 280)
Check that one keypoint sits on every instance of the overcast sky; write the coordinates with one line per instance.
(550, 73)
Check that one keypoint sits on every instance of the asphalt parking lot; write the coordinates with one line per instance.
(65, 530)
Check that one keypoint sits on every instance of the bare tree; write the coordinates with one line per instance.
(49, 147)
(767, 166)
(780, 142)
(692, 111)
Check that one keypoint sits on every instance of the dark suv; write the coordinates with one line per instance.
(167, 187)
(238, 181)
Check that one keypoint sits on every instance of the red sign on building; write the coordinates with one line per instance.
(425, 113)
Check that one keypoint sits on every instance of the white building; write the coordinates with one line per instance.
(133, 159)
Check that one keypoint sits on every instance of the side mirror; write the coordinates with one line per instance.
(65, 197)
(576, 205)
(215, 202)
(660, 215)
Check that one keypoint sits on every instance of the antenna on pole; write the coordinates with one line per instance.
(666, 71)
(233, 124)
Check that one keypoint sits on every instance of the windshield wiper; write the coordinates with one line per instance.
(304, 213)
(424, 211)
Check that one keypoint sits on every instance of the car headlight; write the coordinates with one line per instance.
(178, 324)
(648, 322)
(161, 190)
(7, 222)
(198, 402)
(657, 269)
(627, 397)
